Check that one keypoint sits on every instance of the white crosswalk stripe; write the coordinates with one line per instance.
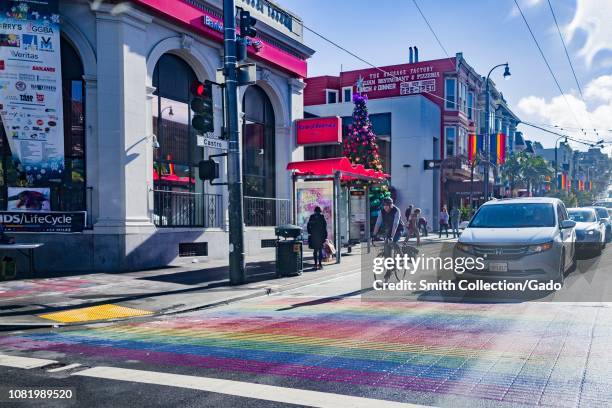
(242, 389)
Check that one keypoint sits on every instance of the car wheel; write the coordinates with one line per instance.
(561, 272)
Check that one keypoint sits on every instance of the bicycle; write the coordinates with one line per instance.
(389, 250)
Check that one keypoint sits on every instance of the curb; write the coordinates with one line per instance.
(259, 292)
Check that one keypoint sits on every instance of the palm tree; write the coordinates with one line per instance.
(511, 170)
(534, 171)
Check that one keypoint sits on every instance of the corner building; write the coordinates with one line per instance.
(131, 156)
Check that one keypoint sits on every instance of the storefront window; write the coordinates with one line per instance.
(69, 192)
(258, 148)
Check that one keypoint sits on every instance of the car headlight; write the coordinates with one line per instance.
(536, 249)
(464, 247)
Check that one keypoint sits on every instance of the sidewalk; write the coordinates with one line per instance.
(151, 292)
(175, 289)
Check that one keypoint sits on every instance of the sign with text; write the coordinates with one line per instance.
(51, 221)
(315, 131)
(212, 142)
(31, 83)
(399, 80)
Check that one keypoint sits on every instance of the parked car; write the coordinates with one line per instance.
(590, 231)
(528, 238)
(604, 216)
(606, 202)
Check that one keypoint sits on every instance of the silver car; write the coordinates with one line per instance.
(604, 216)
(526, 238)
(590, 230)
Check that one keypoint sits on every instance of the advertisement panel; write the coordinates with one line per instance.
(310, 194)
(31, 83)
(314, 131)
(28, 199)
(50, 221)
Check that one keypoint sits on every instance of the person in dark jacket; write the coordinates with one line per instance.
(317, 234)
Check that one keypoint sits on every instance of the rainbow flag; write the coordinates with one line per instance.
(474, 146)
(498, 148)
(562, 181)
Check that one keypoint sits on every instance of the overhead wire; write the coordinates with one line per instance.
(547, 64)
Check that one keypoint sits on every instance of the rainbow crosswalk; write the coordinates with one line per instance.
(530, 353)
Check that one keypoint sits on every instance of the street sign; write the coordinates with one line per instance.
(212, 142)
(431, 164)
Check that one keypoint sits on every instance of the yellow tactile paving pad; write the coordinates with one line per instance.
(87, 314)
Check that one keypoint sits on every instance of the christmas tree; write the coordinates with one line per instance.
(360, 143)
(361, 148)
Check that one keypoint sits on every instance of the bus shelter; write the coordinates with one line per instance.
(331, 180)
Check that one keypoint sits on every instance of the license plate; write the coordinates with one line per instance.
(498, 267)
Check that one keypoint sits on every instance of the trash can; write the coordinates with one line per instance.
(8, 268)
(289, 252)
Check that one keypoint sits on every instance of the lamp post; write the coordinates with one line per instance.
(487, 127)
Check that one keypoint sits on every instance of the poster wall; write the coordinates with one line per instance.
(31, 88)
(310, 194)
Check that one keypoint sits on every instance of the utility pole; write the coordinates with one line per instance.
(234, 160)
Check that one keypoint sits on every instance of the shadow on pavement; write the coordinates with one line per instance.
(325, 300)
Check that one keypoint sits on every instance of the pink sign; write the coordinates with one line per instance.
(326, 130)
(210, 26)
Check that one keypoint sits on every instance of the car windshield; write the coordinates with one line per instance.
(582, 215)
(523, 215)
(602, 212)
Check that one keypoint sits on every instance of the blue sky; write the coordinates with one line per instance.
(488, 32)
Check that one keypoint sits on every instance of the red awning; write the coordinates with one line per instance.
(328, 167)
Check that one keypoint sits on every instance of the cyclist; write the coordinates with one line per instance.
(390, 219)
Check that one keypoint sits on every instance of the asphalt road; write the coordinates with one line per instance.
(322, 345)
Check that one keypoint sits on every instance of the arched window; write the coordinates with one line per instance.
(179, 199)
(258, 151)
(175, 157)
(68, 191)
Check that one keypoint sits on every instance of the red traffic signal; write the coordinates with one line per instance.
(201, 89)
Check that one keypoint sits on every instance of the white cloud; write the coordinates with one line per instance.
(525, 4)
(600, 88)
(592, 17)
(597, 114)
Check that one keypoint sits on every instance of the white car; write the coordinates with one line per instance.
(590, 230)
(523, 238)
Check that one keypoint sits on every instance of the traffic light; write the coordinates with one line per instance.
(246, 24)
(202, 106)
(208, 169)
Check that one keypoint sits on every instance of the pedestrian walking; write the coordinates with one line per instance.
(317, 234)
(423, 226)
(413, 224)
(407, 213)
(443, 222)
(454, 216)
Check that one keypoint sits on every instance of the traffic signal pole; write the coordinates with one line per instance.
(234, 162)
